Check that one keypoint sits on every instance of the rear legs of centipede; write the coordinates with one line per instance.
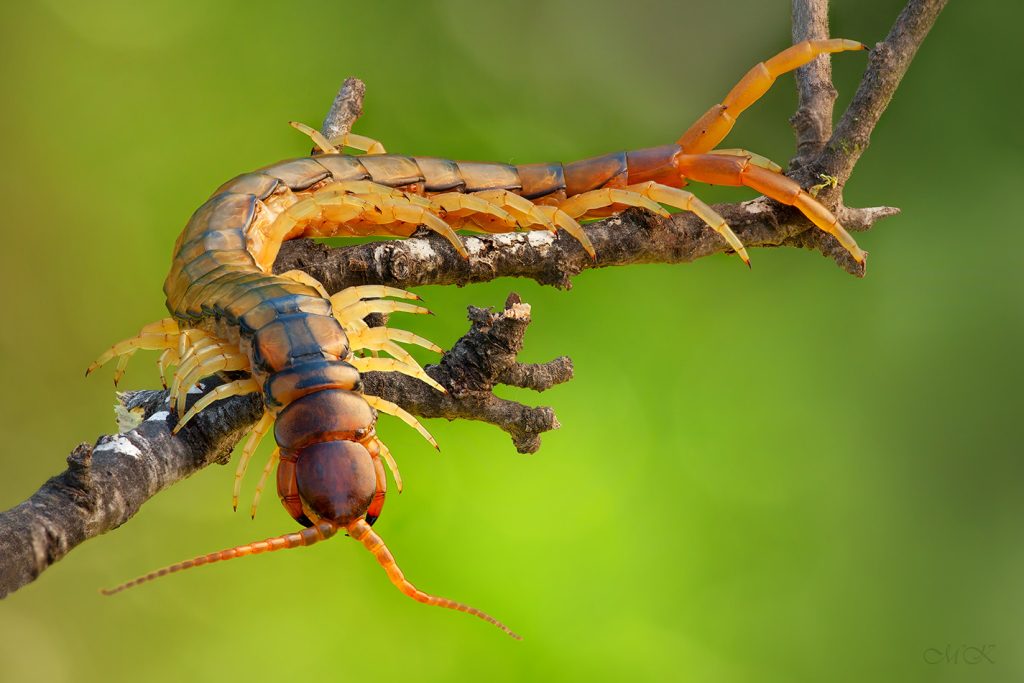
(651, 196)
(712, 127)
(697, 161)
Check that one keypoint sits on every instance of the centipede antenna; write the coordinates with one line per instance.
(314, 534)
(360, 530)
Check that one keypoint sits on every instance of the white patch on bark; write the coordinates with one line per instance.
(473, 245)
(540, 238)
(119, 444)
(756, 207)
(420, 250)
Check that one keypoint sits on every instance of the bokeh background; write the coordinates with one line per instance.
(786, 474)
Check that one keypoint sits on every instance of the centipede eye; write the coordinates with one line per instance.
(336, 480)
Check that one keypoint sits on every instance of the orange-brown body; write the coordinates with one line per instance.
(229, 312)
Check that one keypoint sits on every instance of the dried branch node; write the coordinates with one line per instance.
(482, 359)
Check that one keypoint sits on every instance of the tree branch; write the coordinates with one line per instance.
(479, 361)
(812, 121)
(888, 62)
(105, 485)
(638, 237)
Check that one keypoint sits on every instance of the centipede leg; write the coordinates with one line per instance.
(525, 212)
(394, 206)
(218, 357)
(237, 388)
(304, 278)
(385, 453)
(351, 295)
(470, 206)
(122, 366)
(338, 207)
(405, 211)
(192, 345)
(389, 408)
(754, 157)
(580, 205)
(358, 345)
(566, 222)
(501, 211)
(681, 199)
(361, 309)
(334, 145)
(259, 430)
(156, 336)
(272, 461)
(384, 338)
(715, 124)
(168, 358)
(350, 308)
(395, 365)
(359, 142)
(733, 170)
(361, 338)
(371, 335)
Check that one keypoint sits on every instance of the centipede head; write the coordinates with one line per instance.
(335, 481)
(325, 472)
(327, 482)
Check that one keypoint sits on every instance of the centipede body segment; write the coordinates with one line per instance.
(304, 350)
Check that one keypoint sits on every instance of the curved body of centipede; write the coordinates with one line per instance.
(284, 337)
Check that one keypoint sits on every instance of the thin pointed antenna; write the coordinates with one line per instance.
(361, 531)
(314, 534)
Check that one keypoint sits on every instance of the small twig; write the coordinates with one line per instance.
(345, 109)
(482, 359)
(812, 121)
(887, 64)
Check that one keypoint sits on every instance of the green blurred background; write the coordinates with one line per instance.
(786, 474)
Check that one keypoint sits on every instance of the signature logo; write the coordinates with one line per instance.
(960, 654)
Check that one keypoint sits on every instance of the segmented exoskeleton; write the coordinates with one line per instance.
(295, 343)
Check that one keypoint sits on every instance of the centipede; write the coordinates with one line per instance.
(304, 351)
